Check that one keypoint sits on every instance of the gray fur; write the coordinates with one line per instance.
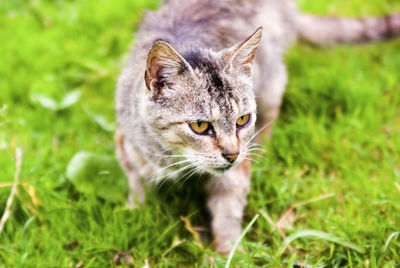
(330, 30)
(194, 61)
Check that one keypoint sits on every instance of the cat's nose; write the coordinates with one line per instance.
(231, 157)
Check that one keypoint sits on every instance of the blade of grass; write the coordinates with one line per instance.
(391, 236)
(319, 235)
(7, 211)
(240, 239)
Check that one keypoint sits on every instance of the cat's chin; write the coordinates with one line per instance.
(220, 170)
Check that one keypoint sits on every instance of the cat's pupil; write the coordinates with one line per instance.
(199, 124)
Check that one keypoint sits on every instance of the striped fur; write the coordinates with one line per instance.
(196, 60)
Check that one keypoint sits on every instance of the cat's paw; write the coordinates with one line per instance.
(132, 202)
(131, 205)
(226, 248)
(223, 248)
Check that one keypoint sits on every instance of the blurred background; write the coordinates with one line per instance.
(337, 141)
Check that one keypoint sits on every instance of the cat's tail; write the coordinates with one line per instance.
(326, 31)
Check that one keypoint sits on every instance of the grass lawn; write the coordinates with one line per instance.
(327, 190)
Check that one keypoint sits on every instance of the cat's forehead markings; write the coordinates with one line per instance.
(225, 104)
(235, 107)
(215, 113)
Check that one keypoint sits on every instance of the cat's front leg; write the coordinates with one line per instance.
(226, 200)
(136, 192)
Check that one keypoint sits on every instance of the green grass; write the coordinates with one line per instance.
(339, 134)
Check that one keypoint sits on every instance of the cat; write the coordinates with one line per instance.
(186, 101)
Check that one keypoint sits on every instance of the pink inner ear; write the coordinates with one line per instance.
(250, 57)
(246, 68)
(243, 61)
(154, 68)
(243, 54)
(152, 71)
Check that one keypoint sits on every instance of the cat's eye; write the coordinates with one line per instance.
(200, 127)
(243, 121)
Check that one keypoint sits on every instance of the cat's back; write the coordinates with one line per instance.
(215, 24)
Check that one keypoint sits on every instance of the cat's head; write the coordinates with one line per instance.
(201, 104)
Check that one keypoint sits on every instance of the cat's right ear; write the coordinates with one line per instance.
(164, 66)
(240, 56)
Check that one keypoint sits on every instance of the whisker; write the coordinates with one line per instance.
(258, 155)
(252, 160)
(169, 156)
(162, 155)
(199, 169)
(172, 174)
(156, 154)
(177, 172)
(258, 132)
(253, 153)
(192, 168)
(161, 184)
(256, 149)
(182, 179)
(158, 171)
(253, 144)
(195, 171)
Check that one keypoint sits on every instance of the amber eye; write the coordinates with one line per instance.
(200, 127)
(243, 120)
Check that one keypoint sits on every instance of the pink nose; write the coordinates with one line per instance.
(231, 157)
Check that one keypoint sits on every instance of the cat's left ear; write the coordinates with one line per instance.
(164, 66)
(240, 56)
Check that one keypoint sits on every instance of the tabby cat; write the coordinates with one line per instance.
(186, 101)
